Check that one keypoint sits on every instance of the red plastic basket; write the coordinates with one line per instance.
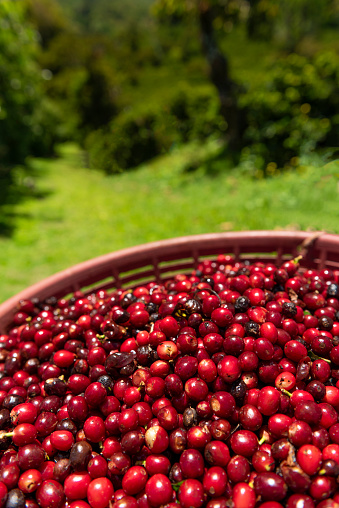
(157, 261)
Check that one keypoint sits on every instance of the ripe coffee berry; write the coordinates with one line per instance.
(100, 492)
(211, 389)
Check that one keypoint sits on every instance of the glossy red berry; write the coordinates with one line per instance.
(156, 439)
(24, 413)
(309, 458)
(159, 490)
(243, 496)
(191, 494)
(76, 485)
(244, 442)
(50, 494)
(134, 480)
(62, 440)
(100, 492)
(191, 463)
(215, 481)
(94, 429)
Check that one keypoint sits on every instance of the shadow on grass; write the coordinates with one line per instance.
(17, 184)
(223, 160)
(212, 164)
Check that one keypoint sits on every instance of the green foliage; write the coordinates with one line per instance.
(84, 81)
(297, 19)
(296, 113)
(195, 115)
(25, 121)
(106, 16)
(110, 59)
(126, 142)
(260, 20)
(177, 10)
(137, 136)
(172, 10)
(96, 98)
(288, 22)
(48, 18)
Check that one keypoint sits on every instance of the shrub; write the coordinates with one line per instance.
(137, 136)
(296, 113)
(126, 142)
(195, 114)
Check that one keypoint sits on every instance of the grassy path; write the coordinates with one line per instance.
(83, 214)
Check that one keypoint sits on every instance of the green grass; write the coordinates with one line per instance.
(82, 213)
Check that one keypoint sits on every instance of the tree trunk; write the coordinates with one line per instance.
(220, 76)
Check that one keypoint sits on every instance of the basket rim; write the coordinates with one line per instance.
(112, 261)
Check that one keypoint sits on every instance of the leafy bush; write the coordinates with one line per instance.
(195, 114)
(127, 142)
(296, 113)
(25, 118)
(137, 136)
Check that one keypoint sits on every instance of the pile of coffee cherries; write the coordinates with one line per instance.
(216, 389)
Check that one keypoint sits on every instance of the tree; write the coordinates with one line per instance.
(205, 12)
(26, 118)
(23, 117)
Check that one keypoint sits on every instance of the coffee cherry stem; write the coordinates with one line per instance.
(6, 434)
(313, 356)
(262, 440)
(176, 486)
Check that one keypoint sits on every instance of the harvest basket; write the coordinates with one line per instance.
(158, 261)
